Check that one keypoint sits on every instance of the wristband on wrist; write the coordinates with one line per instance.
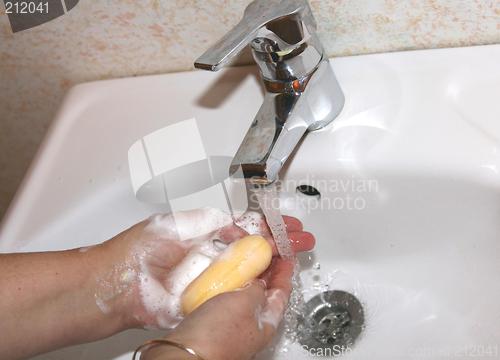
(157, 342)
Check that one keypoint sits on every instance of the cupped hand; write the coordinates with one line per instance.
(239, 324)
(150, 264)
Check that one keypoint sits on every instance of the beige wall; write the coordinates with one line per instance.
(102, 39)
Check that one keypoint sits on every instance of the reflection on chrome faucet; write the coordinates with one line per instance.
(302, 92)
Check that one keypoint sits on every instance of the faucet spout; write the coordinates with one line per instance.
(302, 92)
(273, 135)
(282, 121)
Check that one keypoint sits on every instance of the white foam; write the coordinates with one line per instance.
(273, 311)
(157, 301)
(201, 227)
(163, 300)
(197, 260)
(117, 282)
(251, 222)
(127, 276)
(85, 248)
(105, 308)
(190, 224)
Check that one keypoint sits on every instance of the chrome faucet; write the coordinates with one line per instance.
(302, 92)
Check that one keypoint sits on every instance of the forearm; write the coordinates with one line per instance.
(48, 302)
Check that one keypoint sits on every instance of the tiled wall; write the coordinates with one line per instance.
(114, 38)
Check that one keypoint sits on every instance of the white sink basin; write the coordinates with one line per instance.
(421, 252)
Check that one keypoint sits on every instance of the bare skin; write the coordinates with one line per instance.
(50, 298)
(235, 330)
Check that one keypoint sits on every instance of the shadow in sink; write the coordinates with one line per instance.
(225, 85)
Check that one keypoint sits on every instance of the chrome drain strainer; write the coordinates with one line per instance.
(332, 320)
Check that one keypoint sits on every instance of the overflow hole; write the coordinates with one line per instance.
(308, 190)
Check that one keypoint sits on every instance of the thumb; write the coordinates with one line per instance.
(279, 280)
(252, 296)
(255, 291)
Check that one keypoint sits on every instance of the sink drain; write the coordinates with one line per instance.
(332, 321)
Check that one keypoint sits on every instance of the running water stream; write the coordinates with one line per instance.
(270, 205)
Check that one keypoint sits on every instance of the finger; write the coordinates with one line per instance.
(272, 312)
(255, 292)
(163, 250)
(280, 275)
(300, 241)
(279, 282)
(292, 223)
(231, 233)
(171, 253)
(166, 262)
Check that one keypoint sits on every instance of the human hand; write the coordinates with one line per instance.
(238, 324)
(149, 265)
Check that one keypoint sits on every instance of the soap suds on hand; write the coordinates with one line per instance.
(164, 300)
(117, 282)
(251, 222)
(197, 231)
(86, 248)
(274, 309)
(185, 225)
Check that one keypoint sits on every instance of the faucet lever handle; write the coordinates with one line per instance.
(258, 14)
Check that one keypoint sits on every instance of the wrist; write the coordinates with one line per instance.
(202, 348)
(101, 288)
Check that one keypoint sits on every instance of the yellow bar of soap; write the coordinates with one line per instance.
(242, 261)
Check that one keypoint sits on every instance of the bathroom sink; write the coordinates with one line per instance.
(405, 210)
